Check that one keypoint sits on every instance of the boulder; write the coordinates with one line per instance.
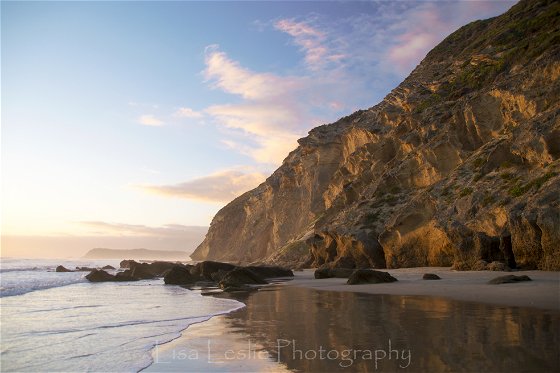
(99, 275)
(127, 263)
(369, 276)
(271, 271)
(509, 279)
(63, 269)
(108, 267)
(207, 268)
(241, 276)
(159, 268)
(333, 273)
(125, 276)
(219, 275)
(430, 276)
(179, 275)
(142, 271)
(84, 269)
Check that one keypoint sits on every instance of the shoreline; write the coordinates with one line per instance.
(302, 310)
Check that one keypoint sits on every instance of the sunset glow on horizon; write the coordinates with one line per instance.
(143, 119)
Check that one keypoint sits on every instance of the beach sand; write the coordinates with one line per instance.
(543, 292)
(326, 326)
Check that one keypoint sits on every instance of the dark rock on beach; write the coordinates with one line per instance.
(125, 276)
(108, 267)
(126, 263)
(509, 279)
(333, 273)
(369, 276)
(271, 271)
(179, 275)
(99, 275)
(142, 271)
(207, 268)
(241, 276)
(63, 269)
(430, 276)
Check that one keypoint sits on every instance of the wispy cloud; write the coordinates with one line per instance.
(270, 117)
(186, 112)
(222, 186)
(122, 229)
(228, 75)
(311, 41)
(150, 120)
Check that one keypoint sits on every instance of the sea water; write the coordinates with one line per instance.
(61, 322)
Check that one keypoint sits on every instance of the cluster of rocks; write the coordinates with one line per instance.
(81, 269)
(228, 277)
(133, 271)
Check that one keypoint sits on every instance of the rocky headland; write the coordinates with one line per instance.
(458, 165)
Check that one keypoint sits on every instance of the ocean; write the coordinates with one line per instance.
(61, 322)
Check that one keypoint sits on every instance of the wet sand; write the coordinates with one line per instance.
(313, 326)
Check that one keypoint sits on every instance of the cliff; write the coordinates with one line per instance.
(457, 165)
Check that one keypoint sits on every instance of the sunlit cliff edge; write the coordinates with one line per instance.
(458, 165)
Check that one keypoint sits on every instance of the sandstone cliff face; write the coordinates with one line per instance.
(458, 164)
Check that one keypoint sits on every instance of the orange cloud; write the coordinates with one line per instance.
(150, 120)
(222, 186)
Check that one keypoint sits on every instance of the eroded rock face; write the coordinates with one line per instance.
(458, 165)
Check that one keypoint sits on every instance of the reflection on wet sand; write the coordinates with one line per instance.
(320, 331)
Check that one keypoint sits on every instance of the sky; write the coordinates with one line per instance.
(131, 119)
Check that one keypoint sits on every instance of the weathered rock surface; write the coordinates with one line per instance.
(206, 269)
(369, 276)
(108, 267)
(430, 276)
(458, 164)
(509, 279)
(239, 277)
(270, 271)
(179, 275)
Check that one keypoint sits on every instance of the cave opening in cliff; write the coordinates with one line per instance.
(508, 252)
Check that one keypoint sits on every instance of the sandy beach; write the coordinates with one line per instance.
(458, 323)
(543, 292)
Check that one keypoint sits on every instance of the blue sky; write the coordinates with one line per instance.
(126, 118)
